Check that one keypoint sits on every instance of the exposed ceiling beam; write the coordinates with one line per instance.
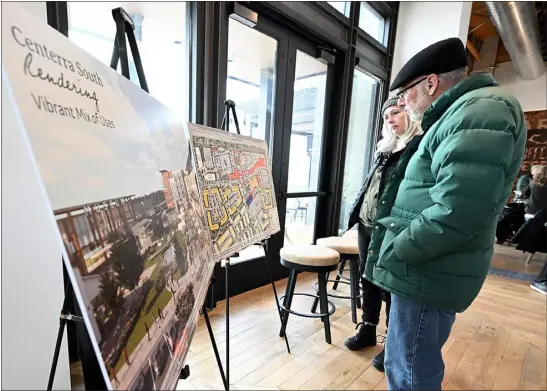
(480, 13)
(474, 52)
(488, 54)
(478, 27)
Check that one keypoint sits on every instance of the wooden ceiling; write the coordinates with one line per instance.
(481, 28)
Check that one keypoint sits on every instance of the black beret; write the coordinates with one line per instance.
(441, 57)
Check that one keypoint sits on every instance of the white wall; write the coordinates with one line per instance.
(421, 24)
(532, 94)
(32, 281)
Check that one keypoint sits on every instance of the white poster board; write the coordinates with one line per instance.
(117, 169)
(234, 176)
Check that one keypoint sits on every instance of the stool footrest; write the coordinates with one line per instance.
(342, 277)
(332, 307)
(315, 287)
(342, 270)
(345, 278)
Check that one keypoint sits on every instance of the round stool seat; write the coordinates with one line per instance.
(343, 245)
(310, 255)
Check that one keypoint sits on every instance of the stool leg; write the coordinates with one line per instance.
(316, 300)
(323, 303)
(342, 266)
(314, 305)
(287, 301)
(354, 287)
(288, 296)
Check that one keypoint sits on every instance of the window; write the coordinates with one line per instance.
(305, 149)
(360, 139)
(251, 79)
(307, 123)
(251, 85)
(300, 220)
(372, 22)
(161, 37)
(341, 6)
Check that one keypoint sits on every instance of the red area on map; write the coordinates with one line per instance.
(242, 173)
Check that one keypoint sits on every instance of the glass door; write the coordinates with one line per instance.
(251, 84)
(360, 142)
(280, 90)
(251, 79)
(301, 147)
(305, 148)
(256, 77)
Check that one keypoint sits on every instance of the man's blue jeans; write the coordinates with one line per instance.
(415, 337)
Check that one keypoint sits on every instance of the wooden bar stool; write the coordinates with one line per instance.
(349, 252)
(351, 235)
(314, 259)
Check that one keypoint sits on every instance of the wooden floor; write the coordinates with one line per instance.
(498, 343)
(509, 258)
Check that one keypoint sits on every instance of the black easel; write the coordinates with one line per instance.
(66, 315)
(185, 373)
(72, 319)
(264, 245)
(70, 314)
(229, 105)
(213, 342)
(126, 26)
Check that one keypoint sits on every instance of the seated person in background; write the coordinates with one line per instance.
(397, 132)
(536, 192)
(523, 182)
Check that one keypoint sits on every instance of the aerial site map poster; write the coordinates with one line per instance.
(117, 169)
(237, 193)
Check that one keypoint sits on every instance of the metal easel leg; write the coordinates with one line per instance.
(275, 294)
(227, 268)
(66, 315)
(213, 342)
(62, 324)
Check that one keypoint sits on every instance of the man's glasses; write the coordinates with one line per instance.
(401, 94)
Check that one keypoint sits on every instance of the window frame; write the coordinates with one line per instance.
(374, 122)
(381, 12)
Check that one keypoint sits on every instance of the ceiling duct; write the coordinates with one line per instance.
(516, 23)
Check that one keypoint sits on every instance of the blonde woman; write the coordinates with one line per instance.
(397, 131)
(536, 192)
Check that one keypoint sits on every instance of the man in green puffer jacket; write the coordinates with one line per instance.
(433, 241)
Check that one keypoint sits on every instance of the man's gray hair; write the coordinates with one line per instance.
(453, 77)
